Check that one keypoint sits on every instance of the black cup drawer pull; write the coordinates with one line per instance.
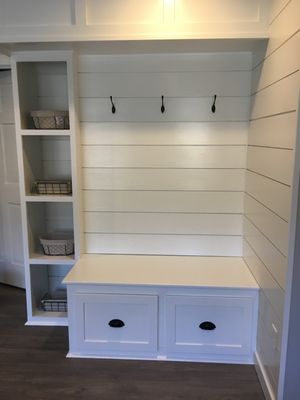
(207, 326)
(116, 323)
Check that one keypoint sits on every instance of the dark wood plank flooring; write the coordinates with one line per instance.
(33, 366)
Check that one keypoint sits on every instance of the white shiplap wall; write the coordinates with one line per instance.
(272, 134)
(167, 183)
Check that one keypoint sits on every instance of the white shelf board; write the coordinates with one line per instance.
(189, 271)
(48, 318)
(45, 132)
(49, 198)
(36, 258)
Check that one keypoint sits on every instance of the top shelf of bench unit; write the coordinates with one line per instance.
(191, 271)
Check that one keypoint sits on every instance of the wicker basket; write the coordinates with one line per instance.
(57, 244)
(52, 187)
(50, 119)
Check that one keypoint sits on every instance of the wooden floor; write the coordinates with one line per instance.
(33, 366)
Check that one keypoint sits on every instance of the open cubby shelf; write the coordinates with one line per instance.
(47, 279)
(45, 158)
(41, 86)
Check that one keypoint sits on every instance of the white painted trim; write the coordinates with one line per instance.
(263, 378)
(160, 357)
(47, 322)
(79, 20)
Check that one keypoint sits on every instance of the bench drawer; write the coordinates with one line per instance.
(209, 325)
(113, 322)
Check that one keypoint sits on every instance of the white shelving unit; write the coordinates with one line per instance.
(45, 81)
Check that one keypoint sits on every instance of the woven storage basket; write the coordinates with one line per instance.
(50, 119)
(57, 244)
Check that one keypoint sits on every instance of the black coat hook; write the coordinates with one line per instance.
(162, 108)
(113, 108)
(213, 107)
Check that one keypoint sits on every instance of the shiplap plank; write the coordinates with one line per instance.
(177, 109)
(55, 210)
(268, 315)
(56, 170)
(284, 26)
(189, 133)
(274, 261)
(278, 98)
(269, 340)
(164, 156)
(58, 217)
(272, 194)
(53, 103)
(56, 273)
(281, 63)
(164, 244)
(52, 85)
(268, 347)
(58, 270)
(59, 225)
(268, 285)
(55, 148)
(269, 224)
(256, 76)
(170, 84)
(259, 54)
(158, 179)
(265, 162)
(147, 201)
(50, 68)
(277, 131)
(55, 283)
(266, 312)
(162, 223)
(165, 62)
(276, 7)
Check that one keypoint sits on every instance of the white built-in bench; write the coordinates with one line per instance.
(162, 307)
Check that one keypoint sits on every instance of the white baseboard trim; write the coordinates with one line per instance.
(154, 357)
(264, 379)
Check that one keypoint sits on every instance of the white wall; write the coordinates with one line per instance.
(167, 183)
(275, 91)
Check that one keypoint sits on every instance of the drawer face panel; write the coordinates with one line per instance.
(117, 322)
(226, 324)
